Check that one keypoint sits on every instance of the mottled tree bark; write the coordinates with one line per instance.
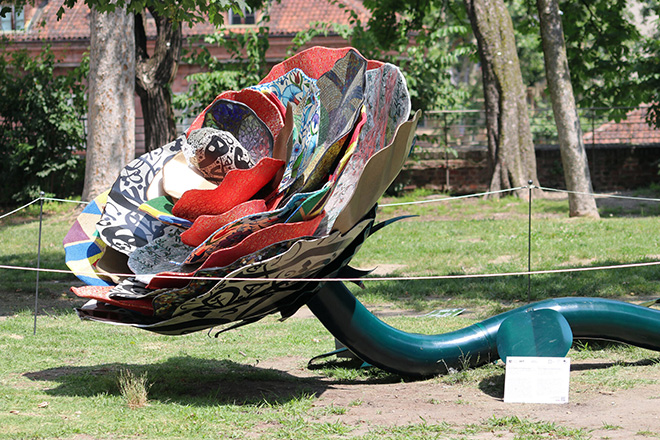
(573, 155)
(153, 77)
(511, 155)
(111, 102)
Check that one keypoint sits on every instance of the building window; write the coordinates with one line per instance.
(247, 18)
(11, 18)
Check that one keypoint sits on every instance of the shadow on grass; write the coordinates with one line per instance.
(493, 385)
(616, 207)
(196, 381)
(609, 364)
(186, 380)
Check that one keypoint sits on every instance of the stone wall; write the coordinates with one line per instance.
(612, 168)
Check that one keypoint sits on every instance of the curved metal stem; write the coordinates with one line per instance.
(412, 354)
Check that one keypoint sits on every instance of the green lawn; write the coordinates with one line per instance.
(64, 382)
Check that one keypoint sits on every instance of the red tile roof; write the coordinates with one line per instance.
(631, 130)
(292, 16)
(286, 18)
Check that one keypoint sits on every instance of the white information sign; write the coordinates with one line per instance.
(537, 379)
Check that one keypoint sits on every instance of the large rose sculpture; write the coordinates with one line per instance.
(269, 191)
(266, 198)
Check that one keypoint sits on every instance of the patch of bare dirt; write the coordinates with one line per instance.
(619, 414)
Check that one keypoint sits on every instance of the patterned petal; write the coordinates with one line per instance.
(238, 186)
(123, 227)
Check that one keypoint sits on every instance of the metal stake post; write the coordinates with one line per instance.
(36, 293)
(445, 128)
(529, 243)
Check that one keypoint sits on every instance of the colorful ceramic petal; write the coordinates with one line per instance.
(94, 310)
(179, 177)
(311, 207)
(237, 187)
(314, 62)
(236, 231)
(322, 167)
(303, 138)
(161, 209)
(261, 239)
(252, 243)
(156, 187)
(131, 288)
(215, 152)
(205, 225)
(377, 175)
(82, 245)
(340, 104)
(268, 110)
(290, 87)
(122, 226)
(242, 122)
(388, 106)
(100, 293)
(300, 95)
(342, 97)
(166, 252)
(277, 103)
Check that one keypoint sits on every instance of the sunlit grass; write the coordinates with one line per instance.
(205, 387)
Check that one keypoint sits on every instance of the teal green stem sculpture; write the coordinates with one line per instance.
(411, 354)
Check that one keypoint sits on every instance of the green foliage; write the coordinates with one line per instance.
(248, 52)
(649, 64)
(41, 127)
(528, 40)
(603, 49)
(426, 43)
(189, 11)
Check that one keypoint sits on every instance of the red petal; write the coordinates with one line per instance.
(100, 293)
(224, 257)
(205, 225)
(314, 62)
(237, 187)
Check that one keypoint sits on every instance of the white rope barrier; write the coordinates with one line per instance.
(367, 278)
(53, 199)
(453, 198)
(19, 209)
(416, 202)
(387, 278)
(600, 195)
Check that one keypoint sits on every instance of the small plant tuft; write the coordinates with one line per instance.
(133, 388)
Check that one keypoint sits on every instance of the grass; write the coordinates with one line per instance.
(468, 236)
(65, 381)
(481, 237)
(202, 387)
(133, 388)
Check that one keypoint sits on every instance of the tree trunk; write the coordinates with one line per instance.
(512, 161)
(111, 102)
(573, 156)
(153, 77)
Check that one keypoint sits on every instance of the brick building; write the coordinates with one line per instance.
(69, 37)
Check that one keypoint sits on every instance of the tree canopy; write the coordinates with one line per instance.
(188, 11)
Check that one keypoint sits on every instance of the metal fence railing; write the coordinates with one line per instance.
(446, 130)
(460, 129)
